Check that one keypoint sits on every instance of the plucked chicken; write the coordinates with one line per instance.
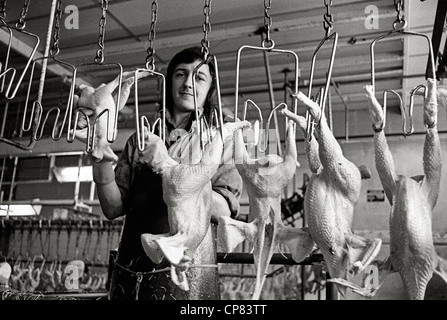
(265, 180)
(330, 198)
(187, 193)
(93, 102)
(412, 199)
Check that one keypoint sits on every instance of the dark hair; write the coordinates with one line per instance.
(189, 55)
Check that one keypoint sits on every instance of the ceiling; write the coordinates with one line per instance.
(297, 26)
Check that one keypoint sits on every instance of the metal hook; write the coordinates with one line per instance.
(214, 118)
(13, 71)
(54, 135)
(219, 116)
(256, 126)
(20, 28)
(200, 117)
(264, 48)
(414, 91)
(403, 109)
(112, 117)
(140, 122)
(322, 93)
(310, 122)
(257, 132)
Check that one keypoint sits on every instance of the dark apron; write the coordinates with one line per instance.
(154, 283)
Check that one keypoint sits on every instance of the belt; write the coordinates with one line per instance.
(140, 275)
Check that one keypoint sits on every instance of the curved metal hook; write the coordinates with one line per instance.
(71, 134)
(199, 117)
(269, 49)
(111, 132)
(140, 122)
(264, 48)
(323, 93)
(395, 31)
(54, 135)
(257, 132)
(7, 70)
(402, 108)
(258, 124)
(145, 124)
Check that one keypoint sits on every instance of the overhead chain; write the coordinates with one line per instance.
(267, 22)
(206, 26)
(54, 50)
(328, 22)
(150, 58)
(400, 21)
(102, 31)
(21, 23)
(3, 10)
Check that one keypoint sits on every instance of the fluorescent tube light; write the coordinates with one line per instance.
(70, 174)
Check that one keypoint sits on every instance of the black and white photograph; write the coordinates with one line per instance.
(228, 156)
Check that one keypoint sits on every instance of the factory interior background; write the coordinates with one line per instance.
(49, 210)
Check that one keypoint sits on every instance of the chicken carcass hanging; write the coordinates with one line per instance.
(101, 108)
(331, 195)
(412, 199)
(265, 180)
(187, 193)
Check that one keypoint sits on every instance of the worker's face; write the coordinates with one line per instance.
(182, 91)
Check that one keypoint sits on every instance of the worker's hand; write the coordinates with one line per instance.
(154, 153)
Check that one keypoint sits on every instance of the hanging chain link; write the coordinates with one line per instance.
(3, 10)
(328, 23)
(54, 50)
(400, 21)
(150, 58)
(267, 22)
(102, 31)
(206, 26)
(21, 23)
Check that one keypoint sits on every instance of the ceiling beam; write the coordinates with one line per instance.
(115, 47)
